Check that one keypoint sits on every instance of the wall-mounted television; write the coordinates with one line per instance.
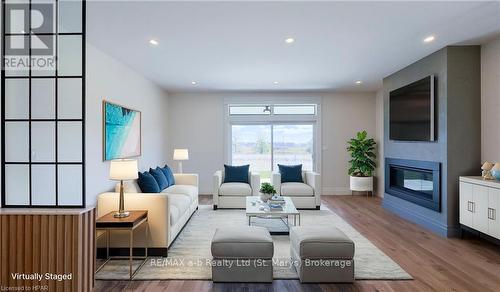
(411, 111)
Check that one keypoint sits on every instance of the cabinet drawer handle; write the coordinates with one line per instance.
(492, 214)
(470, 206)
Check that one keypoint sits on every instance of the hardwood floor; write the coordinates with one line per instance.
(436, 263)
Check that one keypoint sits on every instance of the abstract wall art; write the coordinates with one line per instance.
(122, 132)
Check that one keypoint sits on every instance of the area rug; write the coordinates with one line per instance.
(189, 256)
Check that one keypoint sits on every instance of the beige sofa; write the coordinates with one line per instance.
(168, 211)
(306, 195)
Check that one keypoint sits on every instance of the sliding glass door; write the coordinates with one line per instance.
(264, 146)
(293, 144)
(251, 144)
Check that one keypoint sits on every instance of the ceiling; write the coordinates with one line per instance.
(240, 46)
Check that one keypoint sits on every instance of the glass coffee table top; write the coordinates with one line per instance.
(254, 206)
(257, 212)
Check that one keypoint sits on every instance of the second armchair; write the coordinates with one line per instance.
(305, 194)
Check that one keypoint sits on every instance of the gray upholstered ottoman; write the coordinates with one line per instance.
(242, 254)
(322, 254)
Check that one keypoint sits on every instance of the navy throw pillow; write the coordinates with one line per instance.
(160, 178)
(291, 173)
(169, 175)
(236, 173)
(147, 183)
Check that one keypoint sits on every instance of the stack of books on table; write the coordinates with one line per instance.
(276, 203)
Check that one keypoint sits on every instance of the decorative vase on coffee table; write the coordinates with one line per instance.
(265, 197)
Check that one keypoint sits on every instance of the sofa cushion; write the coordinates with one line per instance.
(187, 190)
(181, 202)
(294, 189)
(128, 187)
(147, 183)
(235, 189)
(290, 173)
(243, 242)
(160, 178)
(321, 242)
(168, 174)
(236, 173)
(175, 214)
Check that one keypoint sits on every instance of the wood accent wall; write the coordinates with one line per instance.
(54, 243)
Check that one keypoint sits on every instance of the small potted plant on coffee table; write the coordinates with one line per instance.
(266, 191)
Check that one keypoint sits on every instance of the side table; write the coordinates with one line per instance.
(108, 222)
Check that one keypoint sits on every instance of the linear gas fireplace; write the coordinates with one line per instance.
(414, 181)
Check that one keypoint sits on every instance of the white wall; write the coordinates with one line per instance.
(490, 101)
(111, 80)
(196, 122)
(343, 115)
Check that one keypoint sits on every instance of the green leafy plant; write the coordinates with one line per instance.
(362, 150)
(267, 188)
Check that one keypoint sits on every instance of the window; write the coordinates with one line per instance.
(307, 109)
(281, 109)
(249, 110)
(285, 135)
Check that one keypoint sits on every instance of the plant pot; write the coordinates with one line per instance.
(361, 184)
(265, 197)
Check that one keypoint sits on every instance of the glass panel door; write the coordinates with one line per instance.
(293, 144)
(43, 103)
(251, 144)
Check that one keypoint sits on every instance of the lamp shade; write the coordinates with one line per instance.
(123, 169)
(181, 154)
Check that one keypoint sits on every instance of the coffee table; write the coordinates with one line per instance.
(255, 208)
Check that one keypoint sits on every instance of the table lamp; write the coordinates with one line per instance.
(122, 169)
(180, 155)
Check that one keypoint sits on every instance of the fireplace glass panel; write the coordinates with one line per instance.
(415, 180)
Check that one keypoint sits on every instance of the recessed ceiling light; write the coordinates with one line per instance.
(153, 42)
(289, 40)
(275, 82)
(194, 82)
(359, 82)
(429, 39)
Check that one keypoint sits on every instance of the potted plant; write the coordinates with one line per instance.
(266, 191)
(362, 164)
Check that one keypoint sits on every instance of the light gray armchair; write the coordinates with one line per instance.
(233, 195)
(306, 195)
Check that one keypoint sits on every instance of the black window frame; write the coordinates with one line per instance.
(56, 119)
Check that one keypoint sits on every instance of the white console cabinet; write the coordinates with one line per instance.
(480, 204)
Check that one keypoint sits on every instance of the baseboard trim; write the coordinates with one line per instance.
(408, 214)
(335, 191)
